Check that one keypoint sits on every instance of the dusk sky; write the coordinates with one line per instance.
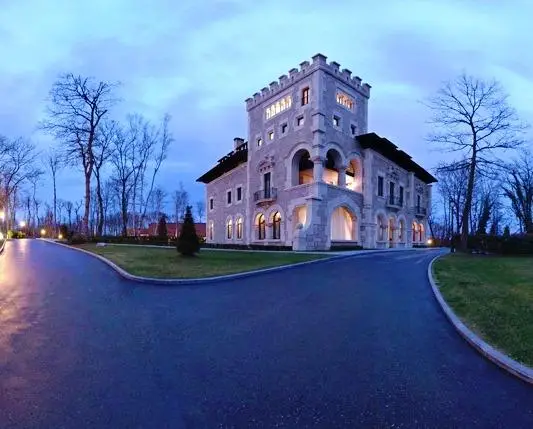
(199, 60)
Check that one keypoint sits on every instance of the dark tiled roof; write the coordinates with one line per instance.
(390, 151)
(226, 163)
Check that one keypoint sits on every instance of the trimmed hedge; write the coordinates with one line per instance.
(502, 244)
(245, 247)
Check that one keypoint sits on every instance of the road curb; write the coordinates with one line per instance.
(204, 280)
(501, 359)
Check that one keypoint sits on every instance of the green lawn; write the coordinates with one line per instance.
(167, 263)
(494, 296)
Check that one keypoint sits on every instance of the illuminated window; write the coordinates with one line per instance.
(305, 96)
(278, 107)
(271, 135)
(261, 227)
(239, 228)
(229, 229)
(276, 226)
(344, 100)
(259, 142)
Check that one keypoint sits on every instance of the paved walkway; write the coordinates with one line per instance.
(358, 342)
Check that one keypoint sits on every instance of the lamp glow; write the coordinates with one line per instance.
(60, 236)
(43, 231)
(430, 241)
(22, 223)
(2, 215)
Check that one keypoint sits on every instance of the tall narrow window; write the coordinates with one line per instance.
(401, 196)
(259, 142)
(261, 227)
(239, 193)
(211, 203)
(239, 228)
(267, 184)
(305, 96)
(418, 202)
(380, 186)
(271, 135)
(229, 229)
(211, 230)
(336, 121)
(276, 226)
(354, 129)
(229, 197)
(391, 192)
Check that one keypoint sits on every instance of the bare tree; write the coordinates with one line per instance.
(69, 207)
(17, 165)
(200, 210)
(77, 107)
(180, 198)
(102, 151)
(519, 190)
(53, 163)
(472, 117)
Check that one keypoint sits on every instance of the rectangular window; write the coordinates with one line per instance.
(271, 135)
(267, 184)
(391, 192)
(344, 100)
(401, 196)
(259, 142)
(353, 128)
(336, 121)
(283, 128)
(239, 193)
(418, 201)
(380, 186)
(229, 197)
(299, 121)
(211, 203)
(305, 96)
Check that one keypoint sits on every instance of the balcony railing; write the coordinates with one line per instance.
(268, 194)
(420, 211)
(393, 201)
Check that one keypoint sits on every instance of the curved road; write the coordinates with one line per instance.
(354, 343)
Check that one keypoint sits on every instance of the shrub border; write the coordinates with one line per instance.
(501, 359)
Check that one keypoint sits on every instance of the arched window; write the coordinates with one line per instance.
(382, 228)
(414, 232)
(229, 229)
(261, 227)
(421, 233)
(211, 231)
(239, 228)
(276, 226)
(401, 231)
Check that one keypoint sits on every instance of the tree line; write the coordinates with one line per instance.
(119, 161)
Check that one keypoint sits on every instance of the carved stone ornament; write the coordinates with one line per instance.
(394, 173)
(419, 188)
(266, 164)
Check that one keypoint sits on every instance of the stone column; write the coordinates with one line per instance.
(342, 176)
(318, 169)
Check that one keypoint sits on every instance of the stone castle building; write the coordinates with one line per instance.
(310, 175)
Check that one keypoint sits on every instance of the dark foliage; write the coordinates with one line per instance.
(188, 241)
(503, 245)
(162, 232)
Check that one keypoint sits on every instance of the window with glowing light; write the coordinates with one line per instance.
(344, 100)
(229, 229)
(239, 228)
(278, 107)
(276, 226)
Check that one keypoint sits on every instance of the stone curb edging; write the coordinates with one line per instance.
(501, 359)
(170, 282)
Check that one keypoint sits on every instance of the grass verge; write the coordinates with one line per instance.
(493, 295)
(167, 263)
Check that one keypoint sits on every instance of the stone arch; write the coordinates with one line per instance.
(334, 167)
(414, 227)
(298, 160)
(239, 226)
(259, 225)
(276, 230)
(337, 148)
(382, 226)
(392, 224)
(354, 172)
(402, 229)
(351, 216)
(228, 228)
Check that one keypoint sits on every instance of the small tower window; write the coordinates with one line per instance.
(305, 96)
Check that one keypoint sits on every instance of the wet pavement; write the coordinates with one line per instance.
(358, 342)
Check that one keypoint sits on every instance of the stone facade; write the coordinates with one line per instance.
(311, 176)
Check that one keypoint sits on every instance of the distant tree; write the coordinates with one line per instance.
(484, 218)
(188, 242)
(506, 231)
(53, 163)
(162, 232)
(519, 190)
(76, 109)
(473, 118)
(200, 210)
(181, 200)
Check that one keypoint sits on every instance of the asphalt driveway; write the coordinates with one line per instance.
(358, 342)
